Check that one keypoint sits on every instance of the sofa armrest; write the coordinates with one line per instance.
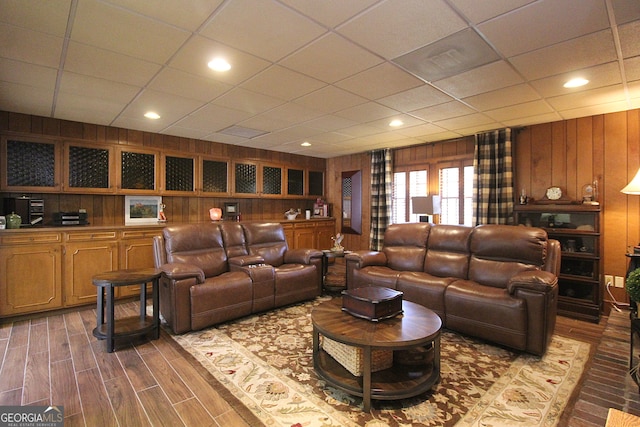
(178, 271)
(366, 258)
(533, 280)
(244, 260)
(301, 256)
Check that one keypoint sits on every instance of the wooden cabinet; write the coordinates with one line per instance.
(179, 174)
(88, 168)
(214, 176)
(577, 227)
(30, 273)
(314, 234)
(32, 165)
(325, 230)
(304, 234)
(137, 171)
(136, 251)
(87, 253)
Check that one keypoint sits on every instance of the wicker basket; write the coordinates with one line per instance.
(352, 358)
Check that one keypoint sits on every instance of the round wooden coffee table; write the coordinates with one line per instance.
(417, 328)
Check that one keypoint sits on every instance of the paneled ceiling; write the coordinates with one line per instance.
(332, 73)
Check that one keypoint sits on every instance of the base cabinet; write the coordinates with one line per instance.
(136, 251)
(30, 279)
(81, 262)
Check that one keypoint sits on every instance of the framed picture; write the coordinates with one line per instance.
(231, 211)
(142, 209)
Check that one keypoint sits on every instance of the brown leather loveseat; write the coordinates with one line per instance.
(214, 272)
(495, 282)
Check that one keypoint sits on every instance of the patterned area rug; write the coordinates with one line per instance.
(266, 362)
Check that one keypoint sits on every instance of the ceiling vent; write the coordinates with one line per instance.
(454, 54)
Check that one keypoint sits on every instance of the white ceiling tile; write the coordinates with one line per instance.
(632, 68)
(330, 12)
(330, 99)
(100, 63)
(27, 74)
(137, 124)
(442, 136)
(592, 110)
(604, 95)
(463, 122)
(629, 39)
(421, 130)
(170, 107)
(245, 100)
(443, 111)
(177, 82)
(368, 112)
(265, 123)
(320, 59)
(329, 123)
(544, 23)
(380, 81)
(407, 121)
(292, 114)
(30, 46)
(186, 132)
(395, 27)
(360, 130)
(198, 51)
(99, 89)
(189, 16)
(115, 29)
(242, 24)
(88, 108)
(542, 118)
(511, 95)
(51, 18)
(587, 51)
(533, 108)
(212, 118)
(412, 99)
(32, 100)
(489, 8)
(598, 76)
(269, 82)
(496, 75)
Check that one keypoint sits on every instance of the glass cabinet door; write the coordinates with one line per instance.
(179, 174)
(138, 171)
(30, 165)
(88, 169)
(215, 176)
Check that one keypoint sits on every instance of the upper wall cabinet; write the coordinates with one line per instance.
(30, 164)
(316, 183)
(215, 176)
(179, 174)
(245, 178)
(295, 182)
(89, 168)
(271, 180)
(137, 171)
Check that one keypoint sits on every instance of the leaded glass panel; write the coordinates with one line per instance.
(245, 175)
(271, 180)
(214, 176)
(30, 164)
(179, 173)
(88, 167)
(138, 171)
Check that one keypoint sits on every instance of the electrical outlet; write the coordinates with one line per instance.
(619, 281)
(608, 280)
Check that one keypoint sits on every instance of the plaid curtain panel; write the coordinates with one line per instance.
(381, 190)
(493, 180)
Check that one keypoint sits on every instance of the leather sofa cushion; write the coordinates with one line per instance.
(486, 312)
(224, 297)
(424, 289)
(291, 283)
(233, 238)
(448, 254)
(197, 244)
(405, 246)
(380, 275)
(266, 240)
(501, 251)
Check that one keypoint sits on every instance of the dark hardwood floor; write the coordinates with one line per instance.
(55, 360)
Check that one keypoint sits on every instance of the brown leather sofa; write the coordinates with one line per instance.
(495, 282)
(214, 272)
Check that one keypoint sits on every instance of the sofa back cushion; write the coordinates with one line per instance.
(266, 240)
(405, 245)
(197, 244)
(448, 251)
(500, 251)
(233, 237)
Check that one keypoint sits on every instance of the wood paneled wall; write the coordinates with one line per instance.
(109, 209)
(572, 153)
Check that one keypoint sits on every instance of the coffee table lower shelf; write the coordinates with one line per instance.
(396, 382)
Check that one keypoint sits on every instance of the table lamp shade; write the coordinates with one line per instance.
(426, 205)
(634, 186)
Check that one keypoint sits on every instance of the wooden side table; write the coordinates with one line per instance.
(128, 326)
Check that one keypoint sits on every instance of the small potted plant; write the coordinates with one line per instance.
(632, 284)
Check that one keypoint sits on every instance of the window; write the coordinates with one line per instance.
(456, 193)
(405, 186)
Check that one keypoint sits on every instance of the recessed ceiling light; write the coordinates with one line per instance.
(395, 123)
(152, 115)
(577, 82)
(306, 144)
(219, 64)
